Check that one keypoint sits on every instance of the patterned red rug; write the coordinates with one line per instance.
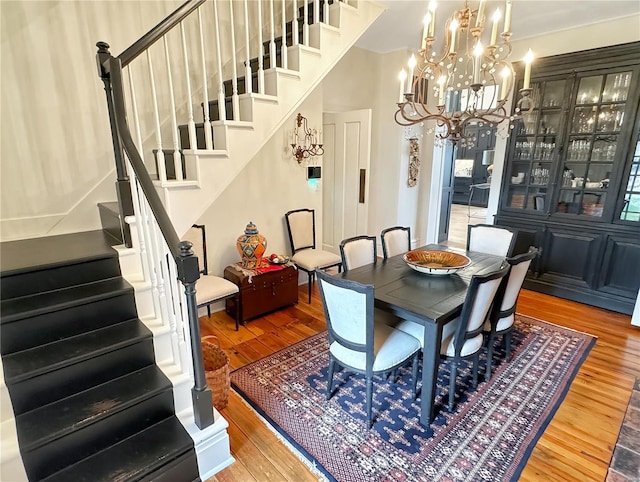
(489, 436)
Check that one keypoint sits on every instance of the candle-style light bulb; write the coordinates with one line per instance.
(412, 65)
(494, 28)
(505, 82)
(507, 17)
(528, 59)
(432, 9)
(480, 16)
(441, 82)
(402, 76)
(478, 50)
(425, 30)
(453, 27)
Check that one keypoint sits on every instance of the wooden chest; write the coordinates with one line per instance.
(266, 292)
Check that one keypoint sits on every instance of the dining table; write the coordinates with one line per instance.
(428, 299)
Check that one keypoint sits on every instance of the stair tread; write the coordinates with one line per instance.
(132, 458)
(52, 421)
(39, 303)
(36, 361)
(28, 255)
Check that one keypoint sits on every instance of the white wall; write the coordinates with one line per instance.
(56, 148)
(271, 184)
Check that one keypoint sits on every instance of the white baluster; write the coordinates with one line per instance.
(191, 124)
(177, 161)
(182, 320)
(162, 172)
(294, 23)
(316, 11)
(326, 11)
(208, 141)
(146, 224)
(134, 108)
(283, 52)
(260, 51)
(305, 23)
(235, 103)
(222, 112)
(142, 241)
(248, 81)
(272, 43)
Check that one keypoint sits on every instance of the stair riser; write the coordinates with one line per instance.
(49, 387)
(179, 469)
(59, 277)
(38, 330)
(82, 443)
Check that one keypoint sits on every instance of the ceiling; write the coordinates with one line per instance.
(401, 25)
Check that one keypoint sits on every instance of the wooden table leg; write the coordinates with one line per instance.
(430, 363)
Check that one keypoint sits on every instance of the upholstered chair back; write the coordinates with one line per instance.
(358, 251)
(484, 238)
(301, 225)
(346, 312)
(396, 240)
(196, 235)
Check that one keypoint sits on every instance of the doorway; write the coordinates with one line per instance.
(345, 190)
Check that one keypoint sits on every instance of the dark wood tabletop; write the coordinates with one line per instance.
(431, 300)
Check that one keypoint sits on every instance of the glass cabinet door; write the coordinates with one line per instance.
(592, 142)
(536, 148)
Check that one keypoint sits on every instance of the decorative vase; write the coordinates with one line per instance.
(251, 246)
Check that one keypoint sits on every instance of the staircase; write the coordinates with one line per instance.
(191, 173)
(89, 402)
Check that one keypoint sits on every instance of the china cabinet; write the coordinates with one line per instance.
(571, 182)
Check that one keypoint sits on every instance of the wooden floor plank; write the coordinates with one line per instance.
(576, 446)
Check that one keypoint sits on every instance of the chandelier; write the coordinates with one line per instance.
(305, 142)
(470, 83)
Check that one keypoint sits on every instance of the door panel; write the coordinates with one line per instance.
(347, 137)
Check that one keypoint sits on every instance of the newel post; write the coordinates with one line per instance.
(123, 188)
(188, 274)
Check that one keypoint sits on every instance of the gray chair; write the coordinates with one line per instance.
(209, 288)
(502, 319)
(356, 342)
(358, 251)
(395, 240)
(462, 338)
(301, 225)
(489, 239)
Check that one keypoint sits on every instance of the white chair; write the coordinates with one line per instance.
(395, 240)
(463, 337)
(301, 225)
(356, 342)
(358, 251)
(489, 239)
(501, 322)
(209, 288)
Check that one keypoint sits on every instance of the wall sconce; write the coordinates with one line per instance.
(305, 142)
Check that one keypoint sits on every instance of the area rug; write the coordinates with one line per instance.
(489, 435)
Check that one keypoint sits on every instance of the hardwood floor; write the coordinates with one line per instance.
(576, 446)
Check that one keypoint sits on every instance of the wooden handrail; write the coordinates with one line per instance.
(157, 32)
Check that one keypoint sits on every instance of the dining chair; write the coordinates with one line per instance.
(301, 226)
(358, 251)
(356, 342)
(502, 319)
(462, 338)
(490, 239)
(395, 240)
(209, 288)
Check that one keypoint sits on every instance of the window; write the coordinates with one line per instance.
(631, 208)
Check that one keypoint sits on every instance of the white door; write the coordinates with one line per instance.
(345, 192)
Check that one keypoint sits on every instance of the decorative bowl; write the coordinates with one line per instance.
(280, 260)
(436, 262)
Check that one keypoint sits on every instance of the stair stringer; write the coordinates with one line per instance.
(242, 140)
(11, 465)
(173, 357)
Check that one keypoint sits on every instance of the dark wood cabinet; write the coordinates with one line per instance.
(571, 182)
(262, 293)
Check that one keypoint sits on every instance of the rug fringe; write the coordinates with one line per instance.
(538, 320)
(308, 463)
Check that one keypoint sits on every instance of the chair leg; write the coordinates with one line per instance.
(414, 375)
(311, 276)
(452, 383)
(476, 362)
(237, 302)
(209, 311)
(492, 336)
(369, 400)
(507, 343)
(332, 366)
